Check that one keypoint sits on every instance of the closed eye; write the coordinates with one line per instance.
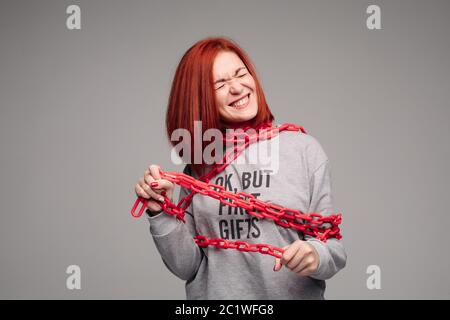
(242, 75)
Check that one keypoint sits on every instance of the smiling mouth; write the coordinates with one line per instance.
(241, 103)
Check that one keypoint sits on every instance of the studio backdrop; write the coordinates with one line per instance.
(84, 87)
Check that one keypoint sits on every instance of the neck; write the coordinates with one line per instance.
(236, 125)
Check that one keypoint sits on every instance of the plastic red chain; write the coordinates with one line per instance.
(314, 224)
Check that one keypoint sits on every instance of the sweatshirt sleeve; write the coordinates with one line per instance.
(331, 253)
(175, 241)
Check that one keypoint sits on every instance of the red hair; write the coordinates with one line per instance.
(192, 96)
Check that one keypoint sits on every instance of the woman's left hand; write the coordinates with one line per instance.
(301, 257)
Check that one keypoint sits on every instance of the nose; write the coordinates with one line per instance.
(236, 87)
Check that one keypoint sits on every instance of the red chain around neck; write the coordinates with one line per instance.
(313, 224)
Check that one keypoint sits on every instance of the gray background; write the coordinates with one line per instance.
(82, 115)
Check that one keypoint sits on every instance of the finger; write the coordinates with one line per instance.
(304, 263)
(150, 191)
(307, 270)
(278, 265)
(154, 193)
(150, 181)
(296, 260)
(148, 175)
(141, 193)
(153, 205)
(154, 171)
(162, 184)
(290, 252)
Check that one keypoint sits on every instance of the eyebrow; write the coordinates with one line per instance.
(235, 73)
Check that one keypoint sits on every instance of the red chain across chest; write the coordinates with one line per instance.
(313, 224)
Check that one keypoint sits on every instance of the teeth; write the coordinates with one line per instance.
(240, 102)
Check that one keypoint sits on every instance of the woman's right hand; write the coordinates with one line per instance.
(151, 186)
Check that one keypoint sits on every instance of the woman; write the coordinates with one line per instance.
(216, 83)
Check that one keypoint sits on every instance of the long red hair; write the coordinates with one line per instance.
(192, 96)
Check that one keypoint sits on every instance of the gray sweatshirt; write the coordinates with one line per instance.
(302, 181)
